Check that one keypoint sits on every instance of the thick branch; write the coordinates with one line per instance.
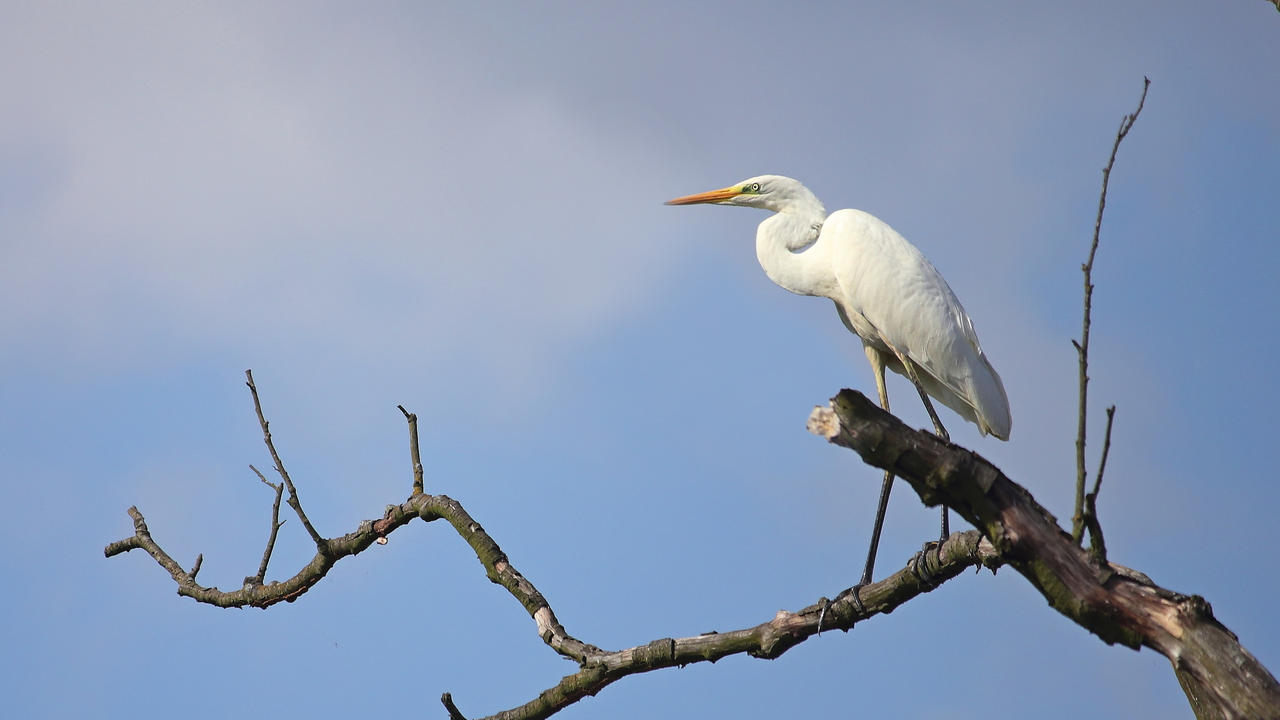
(1221, 678)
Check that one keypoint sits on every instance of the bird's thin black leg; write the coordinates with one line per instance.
(942, 433)
(881, 507)
(877, 367)
(933, 414)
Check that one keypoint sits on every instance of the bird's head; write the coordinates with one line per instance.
(770, 192)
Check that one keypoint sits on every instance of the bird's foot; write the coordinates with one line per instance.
(852, 594)
(822, 614)
(919, 565)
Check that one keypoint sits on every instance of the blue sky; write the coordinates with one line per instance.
(459, 209)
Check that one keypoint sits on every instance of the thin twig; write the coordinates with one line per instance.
(413, 450)
(196, 568)
(284, 474)
(1106, 449)
(275, 528)
(141, 539)
(1082, 347)
(1097, 545)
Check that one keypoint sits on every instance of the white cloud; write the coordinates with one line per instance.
(209, 194)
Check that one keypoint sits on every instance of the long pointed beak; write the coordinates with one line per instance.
(713, 196)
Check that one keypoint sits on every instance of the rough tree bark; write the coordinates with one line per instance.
(1119, 605)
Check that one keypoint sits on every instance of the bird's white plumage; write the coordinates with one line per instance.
(885, 291)
(894, 298)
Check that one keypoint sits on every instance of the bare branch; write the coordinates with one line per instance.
(427, 507)
(141, 539)
(1098, 546)
(769, 639)
(454, 712)
(275, 528)
(414, 455)
(1106, 450)
(1115, 603)
(284, 474)
(597, 668)
(1118, 604)
(1082, 347)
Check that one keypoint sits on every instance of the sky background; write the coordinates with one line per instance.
(458, 208)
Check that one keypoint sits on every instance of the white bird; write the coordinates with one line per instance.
(886, 292)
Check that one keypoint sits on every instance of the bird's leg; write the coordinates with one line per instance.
(933, 415)
(886, 486)
(914, 377)
(937, 426)
(942, 433)
(877, 368)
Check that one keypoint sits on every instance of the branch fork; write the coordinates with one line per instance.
(1086, 513)
(597, 667)
(1221, 678)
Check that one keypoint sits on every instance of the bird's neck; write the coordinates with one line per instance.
(791, 251)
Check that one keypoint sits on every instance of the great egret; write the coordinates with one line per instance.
(887, 293)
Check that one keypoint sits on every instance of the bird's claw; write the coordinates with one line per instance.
(919, 565)
(857, 601)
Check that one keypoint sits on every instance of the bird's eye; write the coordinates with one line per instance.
(753, 187)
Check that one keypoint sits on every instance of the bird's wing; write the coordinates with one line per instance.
(895, 296)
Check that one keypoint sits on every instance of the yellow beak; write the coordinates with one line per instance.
(712, 196)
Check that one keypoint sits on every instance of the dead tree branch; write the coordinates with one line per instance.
(276, 523)
(769, 639)
(275, 457)
(1097, 545)
(598, 668)
(1082, 347)
(414, 455)
(1220, 677)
